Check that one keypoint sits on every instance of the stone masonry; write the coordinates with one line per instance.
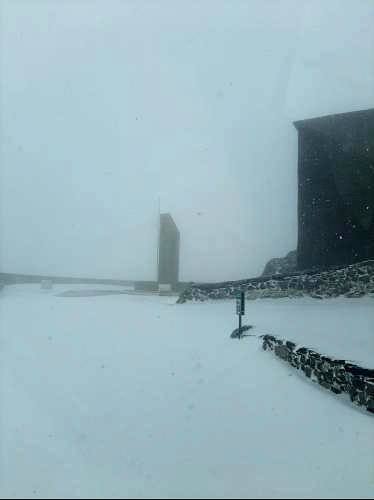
(338, 376)
(355, 280)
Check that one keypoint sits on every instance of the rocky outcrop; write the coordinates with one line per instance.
(354, 280)
(338, 376)
(285, 265)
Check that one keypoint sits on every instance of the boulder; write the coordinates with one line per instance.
(283, 265)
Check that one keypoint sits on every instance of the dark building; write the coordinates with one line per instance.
(336, 189)
(168, 257)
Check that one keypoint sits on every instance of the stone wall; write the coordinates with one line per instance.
(354, 280)
(338, 376)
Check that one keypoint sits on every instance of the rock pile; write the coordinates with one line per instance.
(285, 265)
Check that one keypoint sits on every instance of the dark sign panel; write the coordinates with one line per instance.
(240, 304)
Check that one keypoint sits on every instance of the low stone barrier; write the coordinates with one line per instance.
(355, 280)
(338, 376)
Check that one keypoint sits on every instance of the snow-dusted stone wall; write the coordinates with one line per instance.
(338, 376)
(354, 280)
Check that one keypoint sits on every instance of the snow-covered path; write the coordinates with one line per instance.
(133, 396)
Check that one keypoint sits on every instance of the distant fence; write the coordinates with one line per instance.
(14, 279)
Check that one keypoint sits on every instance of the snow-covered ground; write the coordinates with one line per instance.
(134, 396)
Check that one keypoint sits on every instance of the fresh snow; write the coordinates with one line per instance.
(135, 396)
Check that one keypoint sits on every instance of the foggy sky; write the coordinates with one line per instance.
(108, 105)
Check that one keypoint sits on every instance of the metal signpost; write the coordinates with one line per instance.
(240, 310)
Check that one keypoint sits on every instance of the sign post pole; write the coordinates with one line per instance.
(240, 310)
(240, 325)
